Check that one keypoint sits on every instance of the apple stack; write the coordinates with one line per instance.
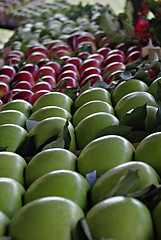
(72, 110)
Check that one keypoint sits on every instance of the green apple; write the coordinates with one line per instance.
(90, 127)
(133, 100)
(18, 104)
(109, 180)
(154, 86)
(47, 161)
(11, 194)
(12, 165)
(50, 111)
(150, 119)
(4, 223)
(104, 153)
(149, 151)
(12, 137)
(46, 131)
(89, 108)
(53, 99)
(46, 218)
(125, 87)
(120, 218)
(63, 183)
(156, 215)
(13, 117)
(92, 94)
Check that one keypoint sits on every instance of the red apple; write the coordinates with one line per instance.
(55, 65)
(36, 57)
(69, 66)
(1, 103)
(4, 89)
(97, 56)
(89, 63)
(45, 70)
(113, 58)
(152, 73)
(75, 60)
(104, 51)
(111, 77)
(51, 80)
(60, 47)
(122, 46)
(83, 55)
(24, 94)
(117, 51)
(93, 78)
(113, 67)
(87, 37)
(24, 76)
(22, 85)
(89, 71)
(67, 73)
(18, 52)
(5, 78)
(72, 82)
(37, 48)
(41, 86)
(8, 70)
(62, 53)
(37, 95)
(12, 58)
(30, 67)
(132, 56)
(132, 49)
(55, 42)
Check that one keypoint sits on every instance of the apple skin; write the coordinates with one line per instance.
(120, 218)
(50, 111)
(13, 117)
(47, 161)
(96, 154)
(89, 128)
(48, 129)
(11, 196)
(133, 100)
(90, 108)
(125, 87)
(12, 137)
(4, 89)
(13, 166)
(4, 223)
(153, 87)
(92, 94)
(68, 184)
(19, 105)
(46, 218)
(156, 213)
(105, 184)
(150, 118)
(53, 99)
(149, 151)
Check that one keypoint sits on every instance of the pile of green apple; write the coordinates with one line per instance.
(79, 132)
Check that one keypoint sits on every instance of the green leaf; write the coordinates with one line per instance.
(61, 85)
(128, 27)
(134, 64)
(158, 115)
(142, 75)
(109, 23)
(81, 231)
(158, 92)
(72, 92)
(126, 75)
(136, 118)
(100, 84)
(124, 183)
(129, 11)
(156, 66)
(136, 136)
(62, 141)
(86, 87)
(149, 195)
(116, 130)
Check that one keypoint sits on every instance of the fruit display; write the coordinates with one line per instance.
(80, 126)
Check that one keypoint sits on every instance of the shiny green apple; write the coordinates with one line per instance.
(53, 99)
(92, 94)
(126, 87)
(89, 108)
(149, 151)
(133, 100)
(120, 218)
(12, 137)
(90, 127)
(109, 180)
(49, 128)
(11, 194)
(12, 165)
(62, 183)
(18, 104)
(50, 111)
(47, 161)
(46, 218)
(4, 223)
(154, 86)
(156, 215)
(12, 117)
(104, 153)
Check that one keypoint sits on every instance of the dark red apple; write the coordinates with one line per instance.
(22, 85)
(89, 71)
(45, 70)
(5, 78)
(24, 76)
(93, 78)
(8, 70)
(51, 80)
(89, 63)
(41, 86)
(37, 95)
(113, 67)
(30, 67)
